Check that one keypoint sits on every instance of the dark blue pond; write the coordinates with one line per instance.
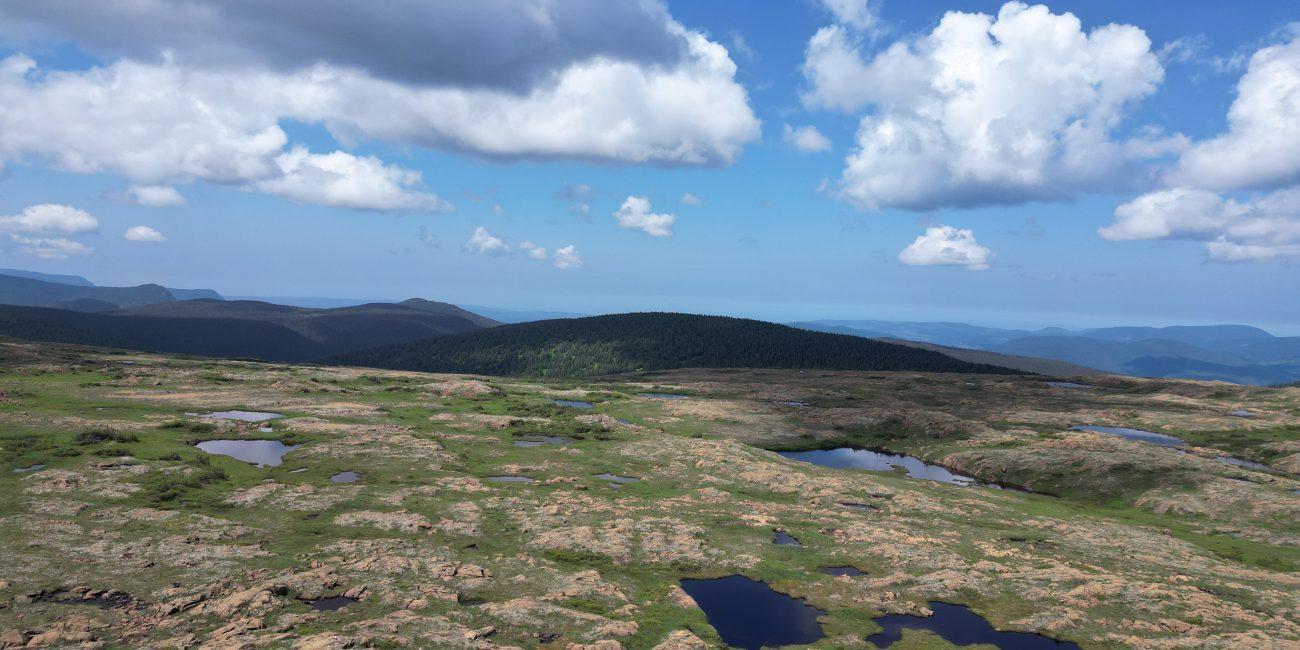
(749, 614)
(782, 538)
(263, 453)
(851, 571)
(1134, 434)
(960, 626)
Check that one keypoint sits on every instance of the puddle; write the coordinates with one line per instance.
(511, 479)
(245, 416)
(849, 458)
(30, 468)
(782, 538)
(537, 441)
(1242, 462)
(345, 477)
(615, 478)
(961, 627)
(265, 429)
(794, 404)
(859, 506)
(1242, 413)
(1134, 434)
(842, 571)
(573, 404)
(263, 453)
(331, 604)
(664, 396)
(1068, 384)
(749, 614)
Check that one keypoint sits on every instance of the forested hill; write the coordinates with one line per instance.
(603, 345)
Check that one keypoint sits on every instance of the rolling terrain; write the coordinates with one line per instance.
(379, 521)
(605, 345)
(1234, 353)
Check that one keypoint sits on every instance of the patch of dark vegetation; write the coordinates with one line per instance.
(172, 488)
(110, 599)
(98, 435)
(624, 343)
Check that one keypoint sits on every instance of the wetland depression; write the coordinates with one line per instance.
(959, 626)
(263, 453)
(1161, 439)
(875, 461)
(751, 615)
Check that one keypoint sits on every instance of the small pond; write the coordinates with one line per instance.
(615, 478)
(345, 477)
(1067, 384)
(511, 479)
(850, 458)
(961, 627)
(782, 538)
(1242, 413)
(1242, 462)
(331, 604)
(1139, 435)
(245, 416)
(537, 441)
(30, 468)
(751, 615)
(573, 404)
(263, 453)
(842, 571)
(793, 403)
(664, 396)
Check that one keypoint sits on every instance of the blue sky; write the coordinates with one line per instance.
(1162, 209)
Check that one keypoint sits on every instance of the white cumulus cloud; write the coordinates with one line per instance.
(50, 217)
(344, 180)
(143, 233)
(155, 196)
(690, 199)
(50, 248)
(806, 138)
(946, 245)
(1267, 227)
(483, 241)
(567, 257)
(983, 109)
(636, 214)
(533, 250)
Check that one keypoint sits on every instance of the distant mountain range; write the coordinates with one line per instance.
(1236, 353)
(621, 343)
(33, 289)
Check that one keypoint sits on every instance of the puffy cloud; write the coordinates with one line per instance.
(50, 248)
(1261, 148)
(567, 257)
(945, 245)
(690, 199)
(533, 250)
(344, 180)
(578, 196)
(983, 110)
(155, 196)
(636, 214)
(483, 241)
(50, 217)
(854, 13)
(506, 44)
(200, 87)
(1267, 227)
(806, 138)
(143, 233)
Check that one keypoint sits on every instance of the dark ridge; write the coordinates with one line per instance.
(638, 342)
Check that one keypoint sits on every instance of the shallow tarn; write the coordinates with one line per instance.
(263, 453)
(245, 416)
(663, 396)
(851, 571)
(539, 440)
(749, 614)
(573, 403)
(959, 626)
(850, 458)
(331, 604)
(345, 477)
(30, 468)
(1161, 439)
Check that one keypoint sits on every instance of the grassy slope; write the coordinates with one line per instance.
(604, 345)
